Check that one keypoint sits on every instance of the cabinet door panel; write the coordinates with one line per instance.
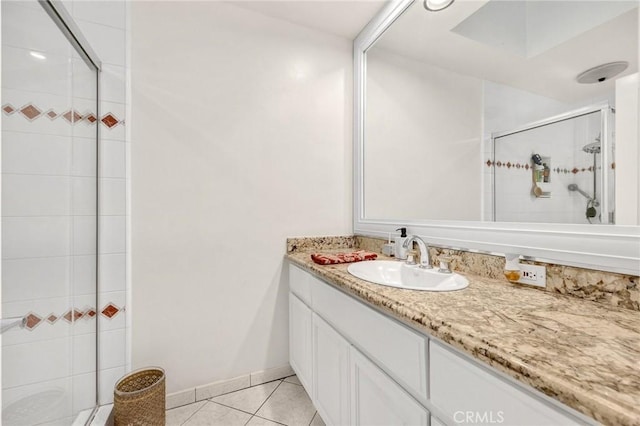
(330, 373)
(300, 355)
(377, 400)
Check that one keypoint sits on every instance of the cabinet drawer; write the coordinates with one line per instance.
(300, 283)
(469, 394)
(397, 350)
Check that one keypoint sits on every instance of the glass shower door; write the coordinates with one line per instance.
(49, 222)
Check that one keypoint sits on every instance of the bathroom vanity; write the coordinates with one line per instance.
(489, 354)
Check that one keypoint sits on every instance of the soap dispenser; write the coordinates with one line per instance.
(401, 252)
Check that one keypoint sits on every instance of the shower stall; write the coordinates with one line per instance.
(557, 170)
(49, 207)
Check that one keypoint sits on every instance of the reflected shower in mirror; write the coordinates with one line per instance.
(508, 111)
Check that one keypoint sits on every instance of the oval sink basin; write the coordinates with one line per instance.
(398, 274)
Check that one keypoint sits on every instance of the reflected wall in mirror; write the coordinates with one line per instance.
(476, 113)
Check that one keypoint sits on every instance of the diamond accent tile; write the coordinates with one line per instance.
(110, 310)
(51, 114)
(31, 112)
(109, 120)
(72, 116)
(77, 314)
(71, 316)
(90, 117)
(8, 109)
(32, 321)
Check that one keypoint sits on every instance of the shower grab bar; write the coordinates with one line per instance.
(574, 187)
(9, 323)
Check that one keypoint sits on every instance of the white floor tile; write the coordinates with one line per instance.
(293, 379)
(289, 404)
(249, 399)
(317, 420)
(259, 421)
(177, 416)
(213, 414)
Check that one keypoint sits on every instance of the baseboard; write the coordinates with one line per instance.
(211, 390)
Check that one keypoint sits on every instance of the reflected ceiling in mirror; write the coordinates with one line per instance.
(458, 102)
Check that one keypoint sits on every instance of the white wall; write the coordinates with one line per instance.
(242, 130)
(422, 151)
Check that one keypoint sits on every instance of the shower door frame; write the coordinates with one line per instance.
(64, 21)
(604, 108)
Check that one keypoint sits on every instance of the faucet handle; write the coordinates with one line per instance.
(444, 264)
(411, 257)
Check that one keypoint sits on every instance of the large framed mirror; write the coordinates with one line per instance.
(502, 126)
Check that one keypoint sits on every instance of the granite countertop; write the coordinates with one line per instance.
(581, 353)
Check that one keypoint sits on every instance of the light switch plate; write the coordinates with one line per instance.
(533, 275)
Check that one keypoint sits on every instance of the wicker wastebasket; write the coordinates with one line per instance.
(139, 398)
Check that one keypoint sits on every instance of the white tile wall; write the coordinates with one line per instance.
(112, 159)
(49, 171)
(55, 396)
(47, 360)
(112, 272)
(46, 277)
(29, 237)
(35, 154)
(84, 274)
(107, 379)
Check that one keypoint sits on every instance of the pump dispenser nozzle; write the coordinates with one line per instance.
(401, 252)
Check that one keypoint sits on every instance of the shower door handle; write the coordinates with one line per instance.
(9, 323)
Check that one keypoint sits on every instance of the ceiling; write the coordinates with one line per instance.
(431, 38)
(341, 18)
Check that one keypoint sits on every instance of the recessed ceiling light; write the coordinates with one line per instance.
(436, 5)
(38, 55)
(602, 72)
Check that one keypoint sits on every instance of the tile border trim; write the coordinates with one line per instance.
(221, 387)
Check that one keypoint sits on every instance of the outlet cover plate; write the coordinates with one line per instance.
(533, 275)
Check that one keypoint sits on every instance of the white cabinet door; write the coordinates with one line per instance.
(300, 355)
(330, 373)
(378, 400)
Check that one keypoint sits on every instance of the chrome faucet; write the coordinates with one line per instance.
(425, 261)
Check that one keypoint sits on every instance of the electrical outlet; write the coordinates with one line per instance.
(533, 275)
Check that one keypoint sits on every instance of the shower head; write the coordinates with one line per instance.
(573, 187)
(592, 148)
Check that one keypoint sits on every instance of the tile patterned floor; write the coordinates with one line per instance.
(281, 402)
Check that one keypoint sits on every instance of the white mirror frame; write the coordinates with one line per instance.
(603, 247)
